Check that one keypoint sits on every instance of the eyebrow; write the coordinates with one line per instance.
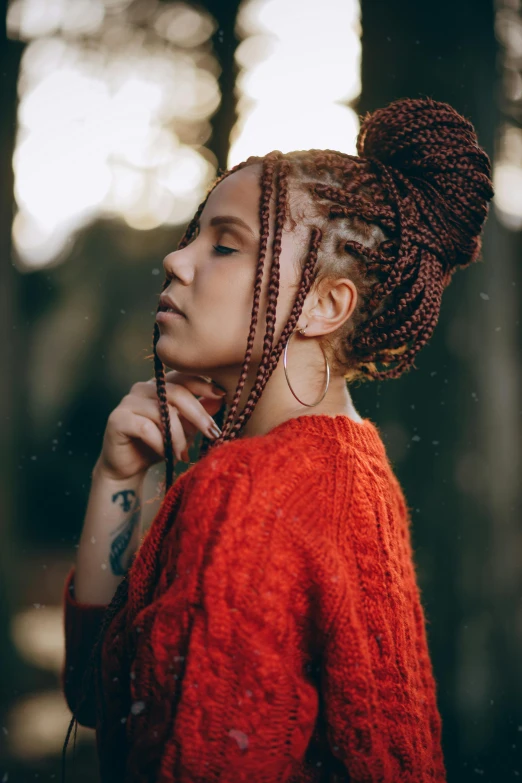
(221, 220)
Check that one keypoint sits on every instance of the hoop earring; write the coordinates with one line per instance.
(308, 405)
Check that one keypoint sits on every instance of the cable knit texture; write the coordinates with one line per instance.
(273, 629)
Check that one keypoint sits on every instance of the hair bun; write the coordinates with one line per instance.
(408, 131)
(431, 143)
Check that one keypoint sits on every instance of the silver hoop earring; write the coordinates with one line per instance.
(308, 405)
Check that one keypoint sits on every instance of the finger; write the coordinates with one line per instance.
(145, 406)
(179, 441)
(182, 399)
(194, 383)
(191, 408)
(144, 429)
(149, 408)
(198, 384)
(210, 405)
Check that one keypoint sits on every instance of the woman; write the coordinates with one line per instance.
(269, 626)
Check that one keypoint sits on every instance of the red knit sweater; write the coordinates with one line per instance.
(275, 621)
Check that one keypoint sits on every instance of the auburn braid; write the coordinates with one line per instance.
(267, 178)
(281, 172)
(159, 369)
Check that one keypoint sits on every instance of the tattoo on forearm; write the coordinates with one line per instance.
(123, 533)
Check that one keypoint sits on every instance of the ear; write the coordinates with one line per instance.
(332, 305)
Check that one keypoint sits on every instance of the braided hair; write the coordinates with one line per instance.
(399, 218)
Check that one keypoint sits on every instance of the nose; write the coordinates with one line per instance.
(178, 265)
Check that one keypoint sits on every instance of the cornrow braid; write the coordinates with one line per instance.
(398, 218)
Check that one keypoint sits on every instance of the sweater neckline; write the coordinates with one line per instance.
(362, 435)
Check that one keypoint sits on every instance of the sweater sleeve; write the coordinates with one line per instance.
(246, 707)
(82, 623)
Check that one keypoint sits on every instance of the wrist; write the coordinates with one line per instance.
(102, 473)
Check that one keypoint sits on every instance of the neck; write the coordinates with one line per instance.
(277, 403)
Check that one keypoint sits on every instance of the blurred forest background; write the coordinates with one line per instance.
(115, 115)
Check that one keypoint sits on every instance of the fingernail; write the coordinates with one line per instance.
(217, 390)
(215, 429)
(185, 455)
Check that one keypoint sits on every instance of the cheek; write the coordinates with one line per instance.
(226, 295)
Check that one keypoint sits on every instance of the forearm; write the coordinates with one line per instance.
(110, 536)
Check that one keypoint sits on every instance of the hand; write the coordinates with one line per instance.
(133, 439)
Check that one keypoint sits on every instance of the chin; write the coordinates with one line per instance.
(173, 362)
(168, 358)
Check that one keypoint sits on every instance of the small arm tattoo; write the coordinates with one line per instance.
(123, 533)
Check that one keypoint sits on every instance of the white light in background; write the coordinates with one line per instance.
(37, 725)
(34, 18)
(38, 722)
(507, 160)
(38, 636)
(300, 65)
(183, 26)
(112, 125)
(507, 177)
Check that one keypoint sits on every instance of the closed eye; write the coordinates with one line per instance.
(223, 250)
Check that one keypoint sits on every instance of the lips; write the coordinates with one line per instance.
(168, 306)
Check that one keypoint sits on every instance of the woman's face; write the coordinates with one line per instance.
(212, 282)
